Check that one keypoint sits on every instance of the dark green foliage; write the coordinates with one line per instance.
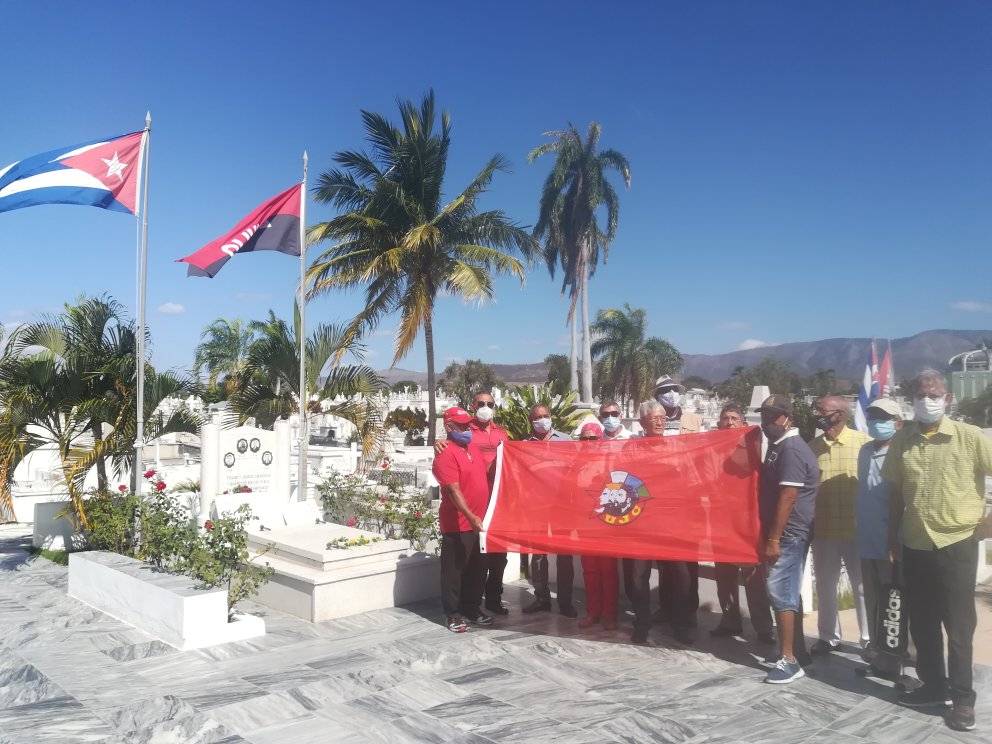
(514, 413)
(465, 381)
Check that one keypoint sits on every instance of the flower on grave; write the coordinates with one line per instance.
(160, 486)
(208, 525)
(149, 473)
(352, 521)
(122, 488)
(418, 515)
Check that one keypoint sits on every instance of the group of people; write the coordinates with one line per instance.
(901, 505)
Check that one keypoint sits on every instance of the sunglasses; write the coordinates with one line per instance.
(605, 414)
(588, 439)
(484, 404)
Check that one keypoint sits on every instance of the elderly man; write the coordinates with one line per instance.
(834, 534)
(543, 431)
(681, 589)
(884, 418)
(464, 495)
(609, 417)
(487, 435)
(937, 468)
(668, 392)
(728, 574)
(787, 503)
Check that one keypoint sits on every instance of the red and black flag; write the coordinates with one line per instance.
(272, 226)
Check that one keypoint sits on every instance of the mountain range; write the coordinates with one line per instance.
(845, 356)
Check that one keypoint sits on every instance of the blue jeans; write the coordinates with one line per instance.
(785, 576)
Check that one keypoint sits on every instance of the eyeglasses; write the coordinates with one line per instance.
(484, 404)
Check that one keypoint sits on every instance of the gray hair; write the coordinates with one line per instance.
(843, 405)
(648, 407)
(929, 373)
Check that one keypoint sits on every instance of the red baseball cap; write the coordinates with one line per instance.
(591, 429)
(457, 415)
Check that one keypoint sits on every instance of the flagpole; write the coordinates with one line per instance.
(301, 493)
(141, 292)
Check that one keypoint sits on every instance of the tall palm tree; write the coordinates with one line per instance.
(396, 236)
(268, 385)
(627, 363)
(572, 195)
(223, 349)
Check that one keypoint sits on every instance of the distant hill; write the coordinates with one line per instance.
(846, 356)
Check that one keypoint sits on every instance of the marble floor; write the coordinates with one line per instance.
(71, 674)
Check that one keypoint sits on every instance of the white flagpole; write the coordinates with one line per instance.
(301, 494)
(142, 267)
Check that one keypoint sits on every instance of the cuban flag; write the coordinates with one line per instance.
(876, 383)
(273, 225)
(103, 174)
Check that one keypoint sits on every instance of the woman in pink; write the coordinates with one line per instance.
(599, 573)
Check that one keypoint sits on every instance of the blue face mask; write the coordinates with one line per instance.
(611, 423)
(461, 437)
(883, 430)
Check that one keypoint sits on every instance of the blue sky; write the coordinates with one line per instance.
(800, 171)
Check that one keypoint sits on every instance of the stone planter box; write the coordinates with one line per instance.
(317, 584)
(52, 531)
(163, 605)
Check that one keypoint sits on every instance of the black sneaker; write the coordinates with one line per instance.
(821, 648)
(481, 619)
(639, 637)
(568, 610)
(772, 660)
(723, 631)
(497, 609)
(538, 605)
(924, 697)
(961, 718)
(685, 636)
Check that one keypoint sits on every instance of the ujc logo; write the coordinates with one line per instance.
(622, 499)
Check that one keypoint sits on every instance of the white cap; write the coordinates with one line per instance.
(887, 405)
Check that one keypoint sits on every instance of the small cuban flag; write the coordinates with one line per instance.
(103, 174)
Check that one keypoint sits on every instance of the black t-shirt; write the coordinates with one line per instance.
(790, 462)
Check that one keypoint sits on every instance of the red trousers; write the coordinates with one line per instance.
(600, 576)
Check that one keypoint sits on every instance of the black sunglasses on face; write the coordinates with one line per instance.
(604, 414)
(485, 403)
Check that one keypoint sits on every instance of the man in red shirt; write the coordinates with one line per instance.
(486, 437)
(462, 475)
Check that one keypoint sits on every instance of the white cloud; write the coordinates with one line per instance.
(171, 308)
(971, 306)
(734, 325)
(754, 343)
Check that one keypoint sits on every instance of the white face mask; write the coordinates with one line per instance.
(611, 423)
(485, 414)
(541, 425)
(928, 410)
(670, 398)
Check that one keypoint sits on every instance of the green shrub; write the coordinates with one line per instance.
(390, 509)
(220, 558)
(112, 521)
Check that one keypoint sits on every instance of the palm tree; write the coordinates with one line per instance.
(223, 349)
(268, 386)
(396, 236)
(627, 364)
(573, 193)
(69, 381)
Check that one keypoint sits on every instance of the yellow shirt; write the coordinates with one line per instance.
(941, 479)
(837, 496)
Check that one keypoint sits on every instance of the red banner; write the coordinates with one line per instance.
(691, 497)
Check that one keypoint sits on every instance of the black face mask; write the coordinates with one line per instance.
(774, 432)
(825, 422)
